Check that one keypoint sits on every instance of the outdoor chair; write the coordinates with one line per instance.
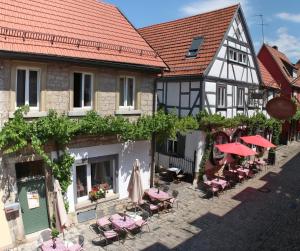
(214, 190)
(109, 236)
(150, 208)
(78, 246)
(143, 222)
(174, 200)
(45, 235)
(165, 189)
(179, 177)
(103, 222)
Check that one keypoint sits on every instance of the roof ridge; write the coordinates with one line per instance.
(192, 16)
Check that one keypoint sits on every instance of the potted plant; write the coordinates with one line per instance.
(272, 156)
(54, 235)
(98, 192)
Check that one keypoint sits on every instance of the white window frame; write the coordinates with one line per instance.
(239, 54)
(125, 91)
(27, 69)
(240, 97)
(224, 95)
(251, 101)
(82, 88)
(89, 180)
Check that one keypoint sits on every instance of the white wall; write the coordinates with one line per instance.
(195, 141)
(127, 154)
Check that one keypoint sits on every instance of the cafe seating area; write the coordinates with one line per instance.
(229, 175)
(133, 222)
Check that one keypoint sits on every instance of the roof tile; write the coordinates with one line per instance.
(90, 20)
(172, 40)
(268, 80)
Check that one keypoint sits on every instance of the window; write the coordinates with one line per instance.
(172, 146)
(251, 101)
(82, 90)
(237, 56)
(103, 174)
(127, 90)
(195, 46)
(295, 74)
(240, 97)
(100, 173)
(81, 181)
(221, 96)
(28, 87)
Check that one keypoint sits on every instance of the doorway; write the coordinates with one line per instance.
(32, 196)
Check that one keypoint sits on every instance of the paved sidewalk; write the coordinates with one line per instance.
(263, 213)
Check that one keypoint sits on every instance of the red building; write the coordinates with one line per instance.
(282, 70)
(281, 75)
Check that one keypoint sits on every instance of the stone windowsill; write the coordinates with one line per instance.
(78, 113)
(82, 206)
(128, 112)
(31, 114)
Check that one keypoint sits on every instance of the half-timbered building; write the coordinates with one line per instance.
(212, 66)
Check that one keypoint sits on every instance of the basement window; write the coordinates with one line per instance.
(195, 46)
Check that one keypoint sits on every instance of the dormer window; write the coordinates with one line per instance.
(295, 74)
(195, 46)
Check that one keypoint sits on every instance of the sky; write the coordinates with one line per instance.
(282, 17)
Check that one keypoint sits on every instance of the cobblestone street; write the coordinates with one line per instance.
(260, 214)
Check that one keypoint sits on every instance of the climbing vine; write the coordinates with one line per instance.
(19, 133)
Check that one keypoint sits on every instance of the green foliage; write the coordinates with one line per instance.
(19, 133)
(54, 233)
(206, 155)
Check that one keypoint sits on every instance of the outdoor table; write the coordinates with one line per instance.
(123, 224)
(134, 216)
(174, 169)
(48, 246)
(219, 182)
(243, 171)
(161, 196)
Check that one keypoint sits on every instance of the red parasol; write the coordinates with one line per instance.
(258, 141)
(236, 148)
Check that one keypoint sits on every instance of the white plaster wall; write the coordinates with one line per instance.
(216, 68)
(184, 100)
(185, 87)
(195, 142)
(127, 153)
(210, 86)
(173, 94)
(195, 85)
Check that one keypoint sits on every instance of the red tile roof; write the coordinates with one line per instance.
(281, 59)
(84, 29)
(268, 80)
(172, 40)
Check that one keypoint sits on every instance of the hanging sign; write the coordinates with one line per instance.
(33, 199)
(281, 108)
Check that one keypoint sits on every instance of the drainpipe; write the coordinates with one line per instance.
(153, 138)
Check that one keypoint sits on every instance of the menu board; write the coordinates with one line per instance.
(33, 199)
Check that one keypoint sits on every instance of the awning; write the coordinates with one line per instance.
(257, 140)
(236, 148)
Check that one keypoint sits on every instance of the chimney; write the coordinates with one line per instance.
(275, 47)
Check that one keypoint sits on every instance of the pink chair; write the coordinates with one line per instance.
(103, 222)
(109, 235)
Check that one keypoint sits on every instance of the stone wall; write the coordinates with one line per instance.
(58, 87)
(4, 90)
